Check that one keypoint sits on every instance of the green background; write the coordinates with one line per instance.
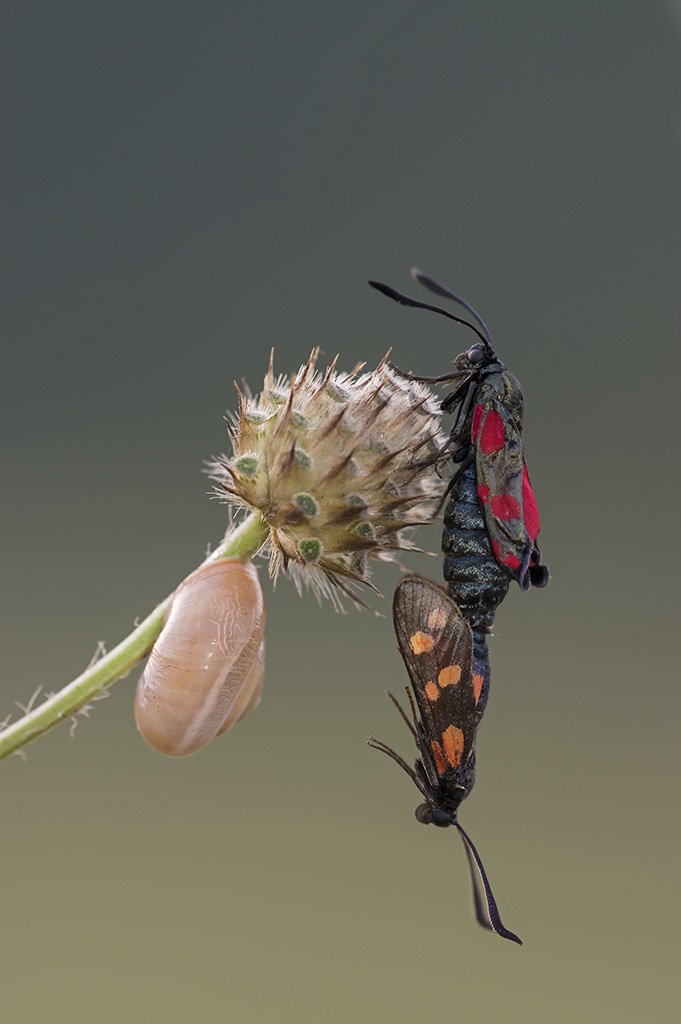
(187, 185)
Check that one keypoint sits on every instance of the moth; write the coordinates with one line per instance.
(436, 644)
(491, 521)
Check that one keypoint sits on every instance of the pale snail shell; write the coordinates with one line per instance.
(206, 669)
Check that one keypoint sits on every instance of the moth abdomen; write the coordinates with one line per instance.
(475, 580)
(461, 541)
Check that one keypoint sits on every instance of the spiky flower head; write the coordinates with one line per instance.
(339, 465)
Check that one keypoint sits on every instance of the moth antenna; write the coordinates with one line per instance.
(487, 913)
(477, 897)
(447, 293)
(404, 300)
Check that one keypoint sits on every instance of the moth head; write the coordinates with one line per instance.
(475, 357)
(429, 815)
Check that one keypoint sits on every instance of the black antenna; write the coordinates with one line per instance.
(405, 301)
(447, 293)
(478, 898)
(491, 907)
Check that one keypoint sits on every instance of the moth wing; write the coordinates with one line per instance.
(504, 489)
(436, 644)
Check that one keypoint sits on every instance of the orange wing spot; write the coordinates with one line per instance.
(478, 680)
(437, 619)
(438, 757)
(450, 675)
(432, 692)
(452, 739)
(420, 643)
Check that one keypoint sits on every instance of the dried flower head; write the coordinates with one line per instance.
(339, 465)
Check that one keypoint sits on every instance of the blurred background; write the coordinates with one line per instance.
(186, 186)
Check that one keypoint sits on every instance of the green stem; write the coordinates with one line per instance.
(241, 542)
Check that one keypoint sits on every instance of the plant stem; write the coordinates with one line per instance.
(241, 542)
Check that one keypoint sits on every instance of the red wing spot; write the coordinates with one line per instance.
(505, 506)
(438, 757)
(453, 742)
(493, 437)
(478, 680)
(421, 643)
(431, 690)
(510, 560)
(530, 510)
(477, 417)
(483, 493)
(450, 675)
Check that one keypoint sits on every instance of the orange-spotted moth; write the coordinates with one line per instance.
(436, 644)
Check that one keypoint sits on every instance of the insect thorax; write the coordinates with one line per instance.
(446, 796)
(496, 382)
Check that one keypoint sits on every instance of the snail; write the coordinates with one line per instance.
(206, 669)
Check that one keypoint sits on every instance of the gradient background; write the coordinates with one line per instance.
(185, 186)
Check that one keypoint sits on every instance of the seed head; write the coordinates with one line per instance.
(339, 465)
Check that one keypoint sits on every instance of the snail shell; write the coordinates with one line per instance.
(206, 669)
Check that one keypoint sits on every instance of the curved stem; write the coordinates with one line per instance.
(241, 542)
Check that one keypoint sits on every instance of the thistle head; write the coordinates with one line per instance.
(340, 466)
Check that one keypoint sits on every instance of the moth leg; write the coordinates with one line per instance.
(456, 396)
(415, 729)
(465, 406)
(415, 717)
(450, 400)
(444, 378)
(462, 415)
(379, 745)
(457, 447)
(429, 768)
(452, 480)
(399, 707)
